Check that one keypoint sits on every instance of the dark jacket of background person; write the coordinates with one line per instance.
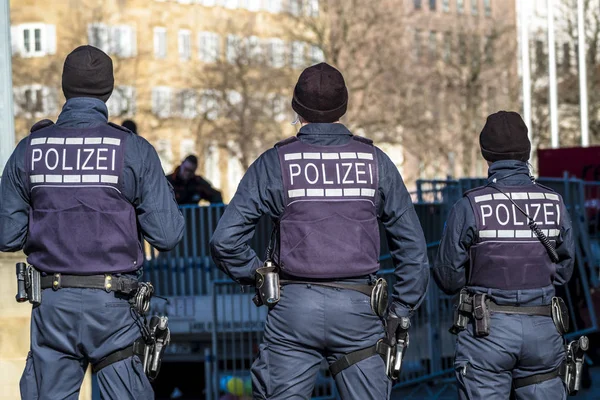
(193, 190)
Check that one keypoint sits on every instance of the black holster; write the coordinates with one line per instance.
(28, 284)
(481, 315)
(267, 285)
(462, 311)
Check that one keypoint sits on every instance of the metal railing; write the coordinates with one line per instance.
(235, 325)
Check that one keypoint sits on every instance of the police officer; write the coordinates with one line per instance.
(78, 196)
(508, 244)
(326, 191)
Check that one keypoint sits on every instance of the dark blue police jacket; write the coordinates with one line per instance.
(461, 236)
(80, 195)
(261, 192)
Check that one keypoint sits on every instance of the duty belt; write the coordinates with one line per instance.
(544, 311)
(362, 288)
(108, 282)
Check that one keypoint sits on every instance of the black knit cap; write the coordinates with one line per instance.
(504, 137)
(320, 94)
(88, 72)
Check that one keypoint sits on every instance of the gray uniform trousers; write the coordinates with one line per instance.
(518, 346)
(311, 323)
(73, 327)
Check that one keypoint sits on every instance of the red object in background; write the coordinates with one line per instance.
(580, 162)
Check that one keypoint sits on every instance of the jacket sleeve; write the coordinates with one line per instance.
(565, 247)
(207, 192)
(14, 201)
(450, 267)
(259, 193)
(159, 217)
(405, 238)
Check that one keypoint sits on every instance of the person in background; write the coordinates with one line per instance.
(191, 188)
(131, 125)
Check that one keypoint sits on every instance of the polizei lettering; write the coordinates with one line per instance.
(80, 159)
(508, 215)
(337, 173)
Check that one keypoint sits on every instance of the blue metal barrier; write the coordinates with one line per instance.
(205, 301)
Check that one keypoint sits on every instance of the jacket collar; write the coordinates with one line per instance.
(83, 112)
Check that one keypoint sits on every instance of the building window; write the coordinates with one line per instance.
(417, 4)
(35, 101)
(186, 101)
(233, 48)
(417, 45)
(279, 107)
(487, 6)
(297, 55)
(209, 47)
(186, 147)
(432, 5)
(121, 101)
(165, 153)
(432, 45)
(460, 6)
(184, 43)
(119, 40)
(273, 6)
(462, 49)
(295, 7)
(209, 106)
(311, 8)
(160, 43)
(316, 55)
(254, 49)
(232, 4)
(212, 172)
(447, 52)
(489, 50)
(33, 40)
(566, 61)
(161, 101)
(540, 56)
(253, 5)
(446, 5)
(475, 7)
(276, 53)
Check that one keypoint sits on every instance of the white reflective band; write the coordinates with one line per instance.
(519, 196)
(90, 178)
(523, 233)
(545, 231)
(507, 233)
(71, 178)
(554, 232)
(53, 178)
(365, 156)
(293, 156)
(311, 156)
(296, 193)
(345, 156)
(109, 179)
(36, 178)
(330, 156)
(551, 196)
(500, 196)
(93, 140)
(75, 140)
(484, 197)
(108, 140)
(41, 140)
(367, 192)
(487, 234)
(56, 140)
(315, 192)
(534, 195)
(333, 192)
(351, 192)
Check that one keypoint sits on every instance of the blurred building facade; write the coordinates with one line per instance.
(185, 71)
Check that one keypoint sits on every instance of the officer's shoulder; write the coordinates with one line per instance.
(287, 141)
(362, 139)
(545, 187)
(120, 128)
(471, 191)
(41, 125)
